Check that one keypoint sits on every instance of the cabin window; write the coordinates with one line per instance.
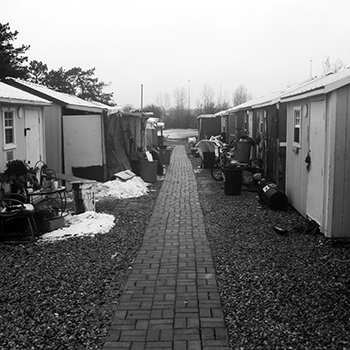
(297, 126)
(261, 122)
(8, 121)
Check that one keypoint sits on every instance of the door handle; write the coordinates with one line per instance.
(25, 131)
(308, 160)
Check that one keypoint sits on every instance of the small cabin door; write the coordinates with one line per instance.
(33, 135)
(82, 142)
(317, 146)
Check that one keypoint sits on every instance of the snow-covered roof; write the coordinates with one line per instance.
(319, 85)
(272, 98)
(69, 101)
(206, 116)
(10, 94)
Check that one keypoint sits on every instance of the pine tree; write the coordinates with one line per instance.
(12, 60)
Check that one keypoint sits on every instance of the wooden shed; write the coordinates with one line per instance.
(74, 133)
(259, 119)
(318, 146)
(208, 125)
(22, 125)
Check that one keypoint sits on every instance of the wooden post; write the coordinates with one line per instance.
(84, 196)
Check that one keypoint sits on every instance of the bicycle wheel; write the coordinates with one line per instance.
(216, 173)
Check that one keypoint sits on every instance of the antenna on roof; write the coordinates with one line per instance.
(310, 68)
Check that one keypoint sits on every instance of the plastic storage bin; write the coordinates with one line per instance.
(164, 156)
(148, 170)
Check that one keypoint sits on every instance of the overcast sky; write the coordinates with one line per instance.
(168, 44)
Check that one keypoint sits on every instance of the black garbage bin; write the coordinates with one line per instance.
(270, 194)
(232, 180)
(208, 160)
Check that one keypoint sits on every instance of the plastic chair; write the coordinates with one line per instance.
(12, 208)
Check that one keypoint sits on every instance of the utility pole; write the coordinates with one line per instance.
(141, 97)
(189, 95)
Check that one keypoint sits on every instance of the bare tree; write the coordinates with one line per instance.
(206, 101)
(128, 107)
(241, 95)
(163, 101)
(180, 98)
(333, 67)
(223, 100)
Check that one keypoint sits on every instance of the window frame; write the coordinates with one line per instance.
(9, 145)
(297, 126)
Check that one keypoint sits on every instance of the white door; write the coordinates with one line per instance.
(317, 146)
(33, 135)
(82, 139)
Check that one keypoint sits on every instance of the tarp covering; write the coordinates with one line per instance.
(116, 156)
(206, 146)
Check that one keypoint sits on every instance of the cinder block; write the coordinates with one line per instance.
(53, 224)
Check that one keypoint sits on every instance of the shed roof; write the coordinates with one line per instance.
(10, 94)
(319, 85)
(264, 101)
(69, 101)
(206, 116)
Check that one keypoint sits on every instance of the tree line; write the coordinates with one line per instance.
(84, 84)
(181, 115)
(74, 81)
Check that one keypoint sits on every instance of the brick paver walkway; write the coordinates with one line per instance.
(171, 299)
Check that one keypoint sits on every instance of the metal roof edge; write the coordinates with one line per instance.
(319, 91)
(35, 89)
(25, 102)
(84, 108)
(337, 84)
(267, 103)
(221, 113)
(19, 85)
(207, 116)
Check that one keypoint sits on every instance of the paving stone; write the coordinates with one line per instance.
(171, 300)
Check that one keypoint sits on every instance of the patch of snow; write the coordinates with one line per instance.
(86, 224)
(134, 187)
(180, 133)
(90, 223)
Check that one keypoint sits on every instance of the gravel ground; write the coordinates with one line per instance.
(62, 295)
(289, 291)
(279, 291)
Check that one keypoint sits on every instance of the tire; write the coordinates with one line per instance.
(217, 174)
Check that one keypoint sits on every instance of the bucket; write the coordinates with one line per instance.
(232, 180)
(242, 152)
(164, 156)
(148, 170)
(208, 160)
(84, 196)
(271, 195)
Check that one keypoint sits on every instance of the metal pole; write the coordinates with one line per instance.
(141, 97)
(189, 95)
